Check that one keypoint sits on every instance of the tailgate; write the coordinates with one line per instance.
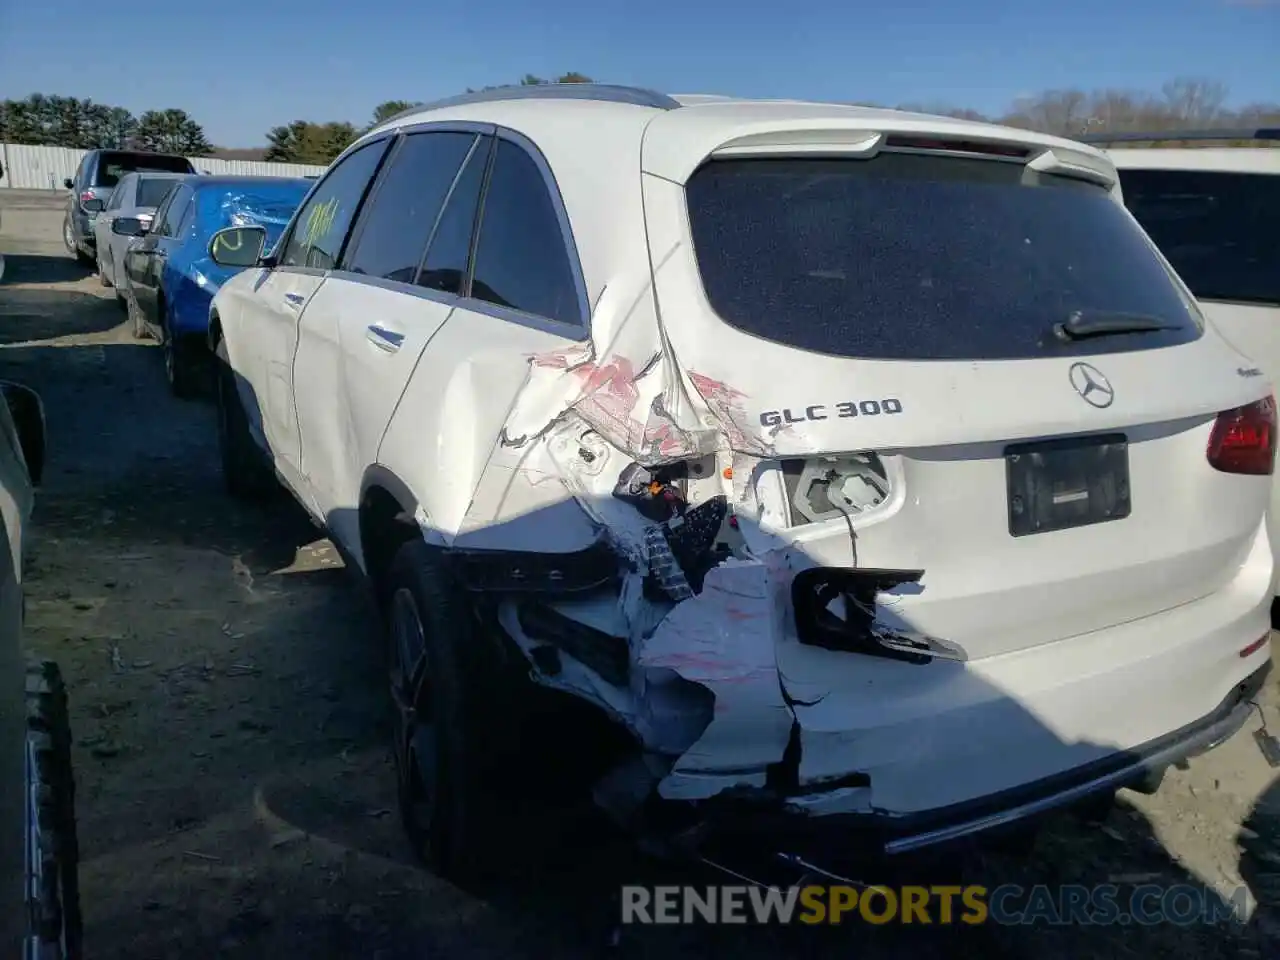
(1031, 392)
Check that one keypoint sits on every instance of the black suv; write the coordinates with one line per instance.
(95, 178)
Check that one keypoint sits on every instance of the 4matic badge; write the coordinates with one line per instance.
(821, 411)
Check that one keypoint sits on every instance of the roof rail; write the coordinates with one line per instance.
(691, 99)
(606, 92)
(1249, 133)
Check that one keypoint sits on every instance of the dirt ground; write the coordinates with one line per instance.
(235, 789)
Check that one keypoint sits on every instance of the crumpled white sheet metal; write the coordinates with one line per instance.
(587, 414)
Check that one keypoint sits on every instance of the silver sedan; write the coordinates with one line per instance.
(137, 195)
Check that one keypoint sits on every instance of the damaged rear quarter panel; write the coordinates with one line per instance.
(449, 422)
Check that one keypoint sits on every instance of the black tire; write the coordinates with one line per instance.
(246, 471)
(56, 921)
(453, 735)
(182, 366)
(102, 273)
(137, 323)
(73, 247)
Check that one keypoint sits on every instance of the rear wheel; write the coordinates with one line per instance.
(453, 736)
(53, 853)
(69, 241)
(246, 470)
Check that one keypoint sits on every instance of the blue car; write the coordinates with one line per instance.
(170, 276)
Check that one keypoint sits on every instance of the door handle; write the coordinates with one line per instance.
(294, 300)
(384, 339)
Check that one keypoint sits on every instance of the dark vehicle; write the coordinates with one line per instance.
(39, 916)
(170, 275)
(96, 178)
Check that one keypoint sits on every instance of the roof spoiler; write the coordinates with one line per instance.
(1167, 136)
(604, 92)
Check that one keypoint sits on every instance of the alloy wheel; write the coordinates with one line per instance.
(415, 734)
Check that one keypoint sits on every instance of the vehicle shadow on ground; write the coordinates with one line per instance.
(38, 268)
(1259, 843)
(234, 787)
(29, 312)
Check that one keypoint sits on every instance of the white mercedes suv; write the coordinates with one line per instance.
(872, 471)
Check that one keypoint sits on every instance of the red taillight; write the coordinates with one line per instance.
(1254, 647)
(1244, 439)
(86, 197)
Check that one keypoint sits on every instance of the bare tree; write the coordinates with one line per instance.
(1125, 110)
(1195, 101)
(1259, 115)
(943, 110)
(1064, 112)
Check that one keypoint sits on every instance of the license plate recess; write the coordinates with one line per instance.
(1067, 482)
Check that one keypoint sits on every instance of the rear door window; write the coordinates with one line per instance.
(184, 221)
(405, 205)
(522, 260)
(167, 221)
(162, 211)
(1220, 230)
(445, 266)
(924, 257)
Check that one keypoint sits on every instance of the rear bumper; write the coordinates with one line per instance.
(906, 739)
(795, 834)
(1124, 769)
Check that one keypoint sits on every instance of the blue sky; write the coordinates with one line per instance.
(240, 67)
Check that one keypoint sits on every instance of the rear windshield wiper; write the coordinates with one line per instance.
(1082, 325)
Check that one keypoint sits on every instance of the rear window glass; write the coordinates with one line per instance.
(151, 190)
(112, 165)
(1221, 231)
(915, 256)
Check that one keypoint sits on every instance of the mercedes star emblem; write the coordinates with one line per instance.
(1093, 387)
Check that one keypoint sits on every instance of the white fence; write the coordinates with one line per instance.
(44, 168)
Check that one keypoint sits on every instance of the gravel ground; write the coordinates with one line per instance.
(235, 791)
